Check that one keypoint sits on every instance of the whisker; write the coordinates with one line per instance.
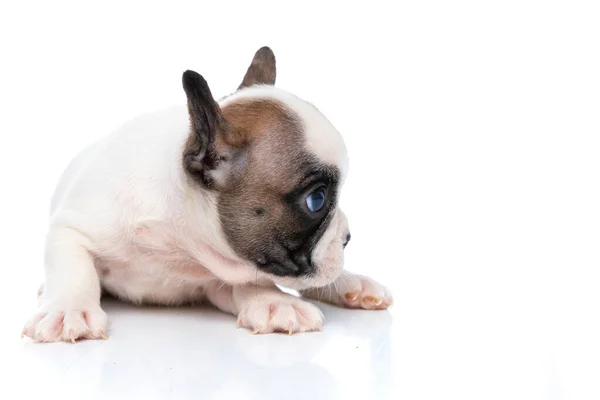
(345, 278)
(337, 290)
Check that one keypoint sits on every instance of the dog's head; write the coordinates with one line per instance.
(277, 166)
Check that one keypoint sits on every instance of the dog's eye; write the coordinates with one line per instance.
(316, 200)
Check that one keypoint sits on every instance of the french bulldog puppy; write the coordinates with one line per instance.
(220, 201)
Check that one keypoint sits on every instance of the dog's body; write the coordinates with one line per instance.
(243, 201)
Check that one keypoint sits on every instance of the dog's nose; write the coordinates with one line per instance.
(347, 239)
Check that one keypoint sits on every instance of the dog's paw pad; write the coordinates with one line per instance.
(282, 315)
(67, 325)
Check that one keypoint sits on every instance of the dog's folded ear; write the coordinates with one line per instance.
(262, 70)
(210, 156)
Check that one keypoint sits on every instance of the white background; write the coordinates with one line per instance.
(474, 190)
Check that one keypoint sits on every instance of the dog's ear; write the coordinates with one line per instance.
(211, 154)
(262, 69)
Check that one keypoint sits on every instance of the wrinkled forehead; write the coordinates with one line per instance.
(266, 110)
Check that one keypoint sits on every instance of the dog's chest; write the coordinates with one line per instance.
(152, 265)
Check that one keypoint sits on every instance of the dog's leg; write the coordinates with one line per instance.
(221, 296)
(70, 305)
(353, 291)
(265, 309)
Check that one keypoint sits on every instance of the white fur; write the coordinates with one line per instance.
(125, 217)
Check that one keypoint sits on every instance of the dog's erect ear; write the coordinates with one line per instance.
(207, 156)
(262, 69)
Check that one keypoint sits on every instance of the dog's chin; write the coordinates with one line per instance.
(327, 271)
(304, 282)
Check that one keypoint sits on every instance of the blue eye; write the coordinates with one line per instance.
(316, 200)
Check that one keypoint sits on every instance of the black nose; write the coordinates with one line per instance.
(347, 239)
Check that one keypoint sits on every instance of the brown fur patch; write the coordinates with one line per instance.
(271, 135)
(252, 119)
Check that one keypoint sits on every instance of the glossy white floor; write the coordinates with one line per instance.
(198, 353)
(454, 347)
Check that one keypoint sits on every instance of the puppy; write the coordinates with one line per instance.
(220, 201)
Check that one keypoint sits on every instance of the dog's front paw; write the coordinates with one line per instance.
(56, 324)
(282, 314)
(362, 292)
